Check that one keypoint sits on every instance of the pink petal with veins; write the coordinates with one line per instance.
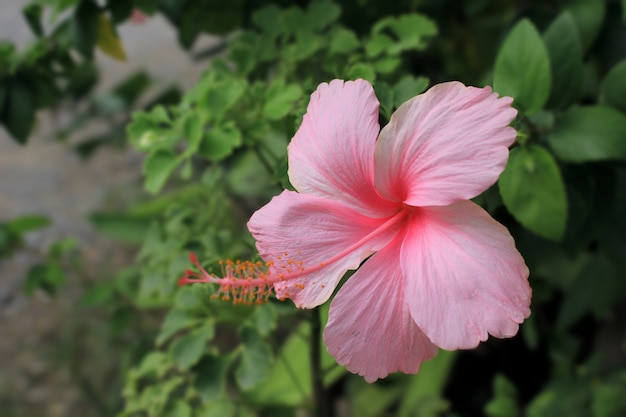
(370, 330)
(303, 231)
(446, 145)
(332, 153)
(464, 277)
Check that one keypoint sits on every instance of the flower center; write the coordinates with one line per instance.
(252, 282)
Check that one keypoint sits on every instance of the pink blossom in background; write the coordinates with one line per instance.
(439, 272)
(138, 17)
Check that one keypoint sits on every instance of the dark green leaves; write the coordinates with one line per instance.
(532, 190)
(188, 349)
(566, 58)
(613, 88)
(157, 169)
(255, 362)
(19, 109)
(522, 68)
(85, 27)
(592, 133)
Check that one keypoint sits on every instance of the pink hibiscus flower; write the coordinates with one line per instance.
(438, 270)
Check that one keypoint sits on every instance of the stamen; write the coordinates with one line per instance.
(246, 282)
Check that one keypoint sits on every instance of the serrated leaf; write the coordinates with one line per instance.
(377, 44)
(221, 96)
(187, 350)
(532, 189)
(411, 31)
(280, 100)
(566, 58)
(522, 68)
(361, 70)
(220, 142)
(592, 133)
(175, 321)
(256, 360)
(613, 88)
(343, 41)
(157, 168)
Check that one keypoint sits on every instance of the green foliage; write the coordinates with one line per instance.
(522, 68)
(589, 133)
(532, 190)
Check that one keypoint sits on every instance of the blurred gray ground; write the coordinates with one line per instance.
(45, 177)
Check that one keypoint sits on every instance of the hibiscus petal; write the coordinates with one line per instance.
(299, 231)
(370, 330)
(465, 278)
(446, 145)
(332, 153)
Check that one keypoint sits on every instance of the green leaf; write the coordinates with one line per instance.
(522, 68)
(589, 16)
(175, 321)
(600, 286)
(613, 88)
(220, 142)
(322, 13)
(33, 12)
(217, 408)
(425, 389)
(188, 349)
(157, 169)
(411, 31)
(407, 88)
(151, 131)
(19, 114)
(343, 41)
(25, 224)
(533, 191)
(210, 381)
(265, 19)
(121, 226)
(85, 27)
(120, 10)
(256, 360)
(504, 401)
(566, 58)
(592, 133)
(378, 44)
(99, 295)
(107, 40)
(4, 92)
(221, 96)
(180, 408)
(47, 277)
(280, 99)
(361, 70)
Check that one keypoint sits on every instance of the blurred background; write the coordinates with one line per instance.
(135, 132)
